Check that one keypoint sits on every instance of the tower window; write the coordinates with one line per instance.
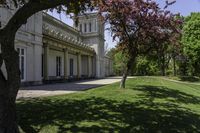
(90, 27)
(85, 26)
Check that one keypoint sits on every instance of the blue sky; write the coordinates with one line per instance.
(184, 7)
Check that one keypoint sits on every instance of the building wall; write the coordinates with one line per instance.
(74, 57)
(84, 61)
(52, 62)
(94, 38)
(29, 38)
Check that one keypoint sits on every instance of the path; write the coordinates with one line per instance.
(64, 88)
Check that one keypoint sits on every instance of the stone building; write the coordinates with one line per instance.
(52, 50)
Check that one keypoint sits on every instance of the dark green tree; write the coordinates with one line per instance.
(191, 42)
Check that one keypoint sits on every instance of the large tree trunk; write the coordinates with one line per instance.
(8, 118)
(9, 86)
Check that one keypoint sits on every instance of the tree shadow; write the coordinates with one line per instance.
(153, 92)
(189, 78)
(99, 115)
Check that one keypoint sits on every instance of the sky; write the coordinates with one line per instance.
(184, 7)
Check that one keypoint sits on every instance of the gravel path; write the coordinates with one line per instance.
(64, 88)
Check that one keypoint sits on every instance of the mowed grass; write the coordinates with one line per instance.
(147, 105)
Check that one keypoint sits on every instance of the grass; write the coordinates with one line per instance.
(186, 78)
(147, 105)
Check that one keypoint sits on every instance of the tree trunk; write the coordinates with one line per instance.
(124, 77)
(174, 65)
(126, 71)
(8, 118)
(9, 86)
(163, 65)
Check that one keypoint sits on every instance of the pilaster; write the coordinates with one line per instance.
(66, 63)
(79, 65)
(89, 66)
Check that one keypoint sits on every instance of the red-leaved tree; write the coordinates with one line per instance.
(140, 26)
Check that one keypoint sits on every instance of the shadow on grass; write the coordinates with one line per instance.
(153, 92)
(99, 115)
(189, 78)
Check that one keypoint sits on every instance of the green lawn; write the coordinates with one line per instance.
(147, 105)
(186, 78)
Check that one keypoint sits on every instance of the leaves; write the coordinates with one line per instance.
(139, 24)
(191, 41)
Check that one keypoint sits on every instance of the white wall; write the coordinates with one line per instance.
(84, 65)
(52, 62)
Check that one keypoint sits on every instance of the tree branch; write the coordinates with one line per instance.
(32, 7)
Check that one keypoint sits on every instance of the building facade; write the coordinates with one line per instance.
(51, 50)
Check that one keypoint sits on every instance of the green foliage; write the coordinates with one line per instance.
(146, 66)
(120, 62)
(111, 53)
(191, 42)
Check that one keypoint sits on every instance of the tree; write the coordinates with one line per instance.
(146, 65)
(120, 61)
(140, 26)
(9, 86)
(191, 42)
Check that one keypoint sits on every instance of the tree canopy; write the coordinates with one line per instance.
(191, 42)
(140, 26)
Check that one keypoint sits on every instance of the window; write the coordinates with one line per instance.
(90, 27)
(71, 62)
(21, 52)
(80, 28)
(58, 66)
(85, 26)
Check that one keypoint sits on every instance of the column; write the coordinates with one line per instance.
(98, 67)
(89, 66)
(66, 60)
(79, 65)
(46, 62)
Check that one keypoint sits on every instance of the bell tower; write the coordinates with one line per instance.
(92, 33)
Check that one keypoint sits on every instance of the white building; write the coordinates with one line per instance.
(52, 50)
